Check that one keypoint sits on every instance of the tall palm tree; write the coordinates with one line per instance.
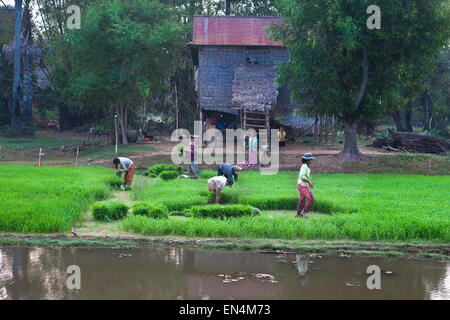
(16, 123)
(28, 53)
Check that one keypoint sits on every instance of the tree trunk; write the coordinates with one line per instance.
(121, 112)
(316, 130)
(397, 117)
(227, 7)
(427, 109)
(350, 151)
(28, 96)
(16, 123)
(408, 117)
(28, 72)
(64, 119)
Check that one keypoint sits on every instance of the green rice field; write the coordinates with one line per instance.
(45, 200)
(356, 206)
(352, 206)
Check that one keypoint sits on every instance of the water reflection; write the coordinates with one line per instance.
(180, 273)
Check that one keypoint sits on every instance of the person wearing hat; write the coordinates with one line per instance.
(229, 172)
(304, 186)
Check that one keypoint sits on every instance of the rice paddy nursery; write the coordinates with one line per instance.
(109, 210)
(45, 200)
(217, 211)
(155, 211)
(358, 206)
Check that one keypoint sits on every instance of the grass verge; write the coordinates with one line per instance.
(45, 200)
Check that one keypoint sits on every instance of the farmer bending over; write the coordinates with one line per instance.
(305, 186)
(128, 167)
(217, 184)
(229, 172)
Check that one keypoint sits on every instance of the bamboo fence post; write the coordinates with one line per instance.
(326, 130)
(76, 159)
(39, 158)
(116, 128)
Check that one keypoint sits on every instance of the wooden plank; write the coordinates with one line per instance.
(256, 112)
(255, 125)
(254, 119)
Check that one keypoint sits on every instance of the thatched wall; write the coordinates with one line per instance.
(216, 73)
(253, 87)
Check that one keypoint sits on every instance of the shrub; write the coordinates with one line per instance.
(155, 170)
(156, 211)
(114, 182)
(168, 175)
(109, 210)
(207, 174)
(218, 211)
(185, 213)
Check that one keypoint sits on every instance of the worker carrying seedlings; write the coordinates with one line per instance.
(229, 172)
(304, 185)
(217, 184)
(128, 167)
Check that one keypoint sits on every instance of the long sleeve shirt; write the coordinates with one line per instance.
(191, 156)
(217, 184)
(253, 143)
(226, 170)
(126, 164)
(305, 173)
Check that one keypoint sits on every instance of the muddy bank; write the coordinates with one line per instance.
(419, 250)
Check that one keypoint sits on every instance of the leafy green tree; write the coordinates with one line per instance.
(124, 49)
(338, 65)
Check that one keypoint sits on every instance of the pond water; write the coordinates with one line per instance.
(188, 273)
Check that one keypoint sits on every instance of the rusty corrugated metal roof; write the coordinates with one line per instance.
(233, 31)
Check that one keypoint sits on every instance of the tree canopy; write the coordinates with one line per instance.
(340, 66)
(124, 50)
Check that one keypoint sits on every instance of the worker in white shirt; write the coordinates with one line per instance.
(304, 185)
(128, 167)
(217, 184)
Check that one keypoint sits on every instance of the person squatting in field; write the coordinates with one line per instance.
(229, 172)
(128, 167)
(217, 184)
(304, 185)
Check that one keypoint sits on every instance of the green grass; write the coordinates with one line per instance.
(264, 192)
(110, 152)
(45, 200)
(35, 142)
(360, 207)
